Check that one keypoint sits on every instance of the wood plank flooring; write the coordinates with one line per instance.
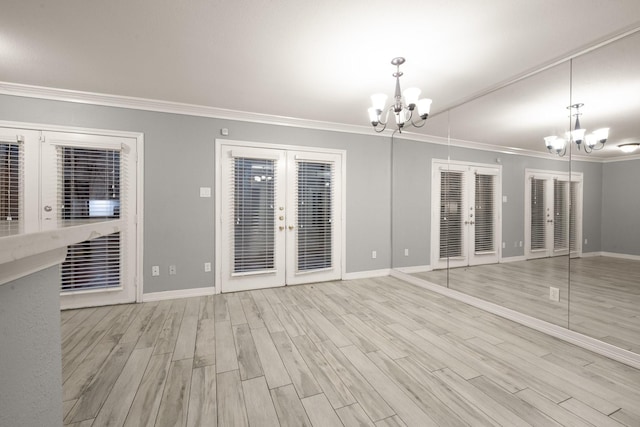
(603, 303)
(375, 352)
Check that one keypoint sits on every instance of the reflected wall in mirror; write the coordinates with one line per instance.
(605, 280)
(497, 216)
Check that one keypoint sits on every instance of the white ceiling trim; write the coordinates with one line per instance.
(91, 98)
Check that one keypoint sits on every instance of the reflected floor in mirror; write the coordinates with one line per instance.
(354, 353)
(604, 295)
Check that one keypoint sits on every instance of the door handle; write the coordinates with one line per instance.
(48, 208)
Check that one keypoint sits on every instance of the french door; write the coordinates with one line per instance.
(280, 217)
(64, 179)
(553, 214)
(466, 215)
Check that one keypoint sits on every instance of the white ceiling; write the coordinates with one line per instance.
(321, 60)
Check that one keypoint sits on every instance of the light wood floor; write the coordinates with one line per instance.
(604, 300)
(365, 352)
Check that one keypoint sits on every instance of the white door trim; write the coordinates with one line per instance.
(139, 200)
(436, 166)
(217, 161)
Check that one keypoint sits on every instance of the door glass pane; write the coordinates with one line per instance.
(573, 218)
(254, 215)
(451, 214)
(10, 171)
(538, 214)
(561, 214)
(314, 205)
(484, 213)
(89, 188)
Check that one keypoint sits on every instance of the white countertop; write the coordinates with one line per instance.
(22, 254)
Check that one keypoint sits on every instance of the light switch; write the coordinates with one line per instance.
(205, 191)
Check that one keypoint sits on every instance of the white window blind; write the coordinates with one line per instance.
(573, 216)
(485, 211)
(254, 214)
(451, 214)
(561, 214)
(89, 183)
(314, 207)
(11, 166)
(538, 214)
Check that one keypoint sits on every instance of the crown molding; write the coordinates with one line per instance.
(144, 104)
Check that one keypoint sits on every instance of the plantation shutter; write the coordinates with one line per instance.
(485, 212)
(314, 192)
(11, 167)
(89, 188)
(538, 214)
(254, 215)
(451, 214)
(561, 214)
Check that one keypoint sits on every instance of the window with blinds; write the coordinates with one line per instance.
(10, 181)
(561, 214)
(314, 207)
(451, 214)
(485, 213)
(573, 216)
(538, 214)
(89, 182)
(254, 215)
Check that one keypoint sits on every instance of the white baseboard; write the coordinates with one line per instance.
(367, 274)
(180, 293)
(605, 349)
(415, 269)
(623, 256)
(513, 259)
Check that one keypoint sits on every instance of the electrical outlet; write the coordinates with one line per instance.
(406, 252)
(374, 254)
(554, 294)
(586, 242)
(504, 245)
(520, 243)
(207, 267)
(172, 270)
(155, 270)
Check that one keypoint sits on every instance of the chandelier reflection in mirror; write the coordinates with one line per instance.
(588, 142)
(403, 109)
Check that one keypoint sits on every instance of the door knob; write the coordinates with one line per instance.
(281, 227)
(291, 227)
(48, 208)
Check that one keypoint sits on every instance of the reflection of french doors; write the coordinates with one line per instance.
(553, 214)
(280, 217)
(70, 178)
(466, 214)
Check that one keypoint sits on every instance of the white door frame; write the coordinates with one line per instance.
(549, 176)
(139, 199)
(218, 196)
(438, 165)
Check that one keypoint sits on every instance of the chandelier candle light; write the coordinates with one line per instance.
(592, 141)
(403, 109)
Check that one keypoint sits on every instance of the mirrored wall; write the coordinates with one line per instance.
(481, 206)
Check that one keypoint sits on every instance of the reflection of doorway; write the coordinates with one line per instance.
(553, 214)
(281, 217)
(466, 226)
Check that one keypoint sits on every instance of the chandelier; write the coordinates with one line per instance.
(592, 141)
(403, 108)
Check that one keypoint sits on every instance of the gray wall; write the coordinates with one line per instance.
(621, 207)
(30, 354)
(412, 197)
(179, 159)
